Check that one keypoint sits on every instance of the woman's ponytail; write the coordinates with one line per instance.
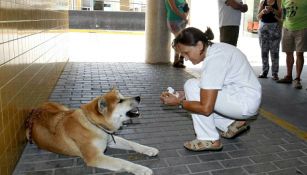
(209, 34)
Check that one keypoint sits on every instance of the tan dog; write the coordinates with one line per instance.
(86, 132)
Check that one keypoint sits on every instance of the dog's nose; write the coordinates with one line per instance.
(138, 98)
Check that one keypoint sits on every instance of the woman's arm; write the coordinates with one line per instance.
(206, 104)
(204, 107)
(261, 10)
(278, 13)
(237, 5)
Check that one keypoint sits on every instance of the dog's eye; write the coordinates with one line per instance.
(121, 100)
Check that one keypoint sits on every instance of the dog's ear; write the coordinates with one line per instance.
(102, 105)
(114, 89)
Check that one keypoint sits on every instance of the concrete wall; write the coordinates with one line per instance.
(134, 21)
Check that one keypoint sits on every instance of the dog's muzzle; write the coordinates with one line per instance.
(133, 112)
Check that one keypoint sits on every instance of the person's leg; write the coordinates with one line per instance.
(275, 65)
(229, 34)
(207, 136)
(265, 62)
(222, 33)
(301, 47)
(230, 106)
(225, 105)
(264, 47)
(181, 59)
(274, 48)
(221, 122)
(175, 28)
(288, 46)
(299, 68)
(299, 64)
(290, 62)
(178, 61)
(204, 126)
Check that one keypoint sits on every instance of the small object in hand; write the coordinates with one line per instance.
(268, 8)
(172, 91)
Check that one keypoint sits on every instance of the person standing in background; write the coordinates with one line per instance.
(269, 14)
(230, 19)
(177, 19)
(294, 38)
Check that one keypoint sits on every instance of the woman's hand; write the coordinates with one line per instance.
(181, 95)
(264, 11)
(170, 99)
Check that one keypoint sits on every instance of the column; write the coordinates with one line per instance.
(158, 39)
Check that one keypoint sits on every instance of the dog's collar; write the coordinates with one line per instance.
(105, 130)
(29, 121)
(102, 128)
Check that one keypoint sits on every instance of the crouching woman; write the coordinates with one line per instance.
(225, 96)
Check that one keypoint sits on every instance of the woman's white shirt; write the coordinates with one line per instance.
(226, 68)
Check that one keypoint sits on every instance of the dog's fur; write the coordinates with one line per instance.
(85, 132)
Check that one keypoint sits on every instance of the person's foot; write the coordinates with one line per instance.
(285, 80)
(275, 77)
(178, 65)
(262, 76)
(235, 129)
(203, 145)
(297, 83)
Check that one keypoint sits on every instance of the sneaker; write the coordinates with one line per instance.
(275, 77)
(285, 80)
(262, 76)
(178, 65)
(297, 83)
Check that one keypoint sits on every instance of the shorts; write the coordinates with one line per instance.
(229, 34)
(176, 26)
(294, 40)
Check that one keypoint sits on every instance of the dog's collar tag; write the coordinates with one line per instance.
(113, 138)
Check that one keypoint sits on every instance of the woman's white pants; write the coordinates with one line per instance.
(225, 106)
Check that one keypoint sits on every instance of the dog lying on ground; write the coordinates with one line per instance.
(86, 132)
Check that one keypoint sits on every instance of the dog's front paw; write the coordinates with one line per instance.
(150, 151)
(141, 170)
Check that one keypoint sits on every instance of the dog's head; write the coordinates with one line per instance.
(112, 109)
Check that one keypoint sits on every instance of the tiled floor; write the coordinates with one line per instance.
(266, 149)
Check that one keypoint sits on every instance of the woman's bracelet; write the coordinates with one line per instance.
(181, 104)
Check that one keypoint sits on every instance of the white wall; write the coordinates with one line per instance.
(203, 14)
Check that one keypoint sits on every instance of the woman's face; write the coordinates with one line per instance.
(192, 53)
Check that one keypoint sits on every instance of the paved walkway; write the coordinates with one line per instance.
(266, 149)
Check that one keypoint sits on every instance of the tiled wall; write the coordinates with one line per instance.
(33, 53)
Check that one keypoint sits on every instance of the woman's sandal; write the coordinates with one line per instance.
(234, 129)
(201, 145)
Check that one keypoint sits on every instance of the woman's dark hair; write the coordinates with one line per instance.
(190, 36)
